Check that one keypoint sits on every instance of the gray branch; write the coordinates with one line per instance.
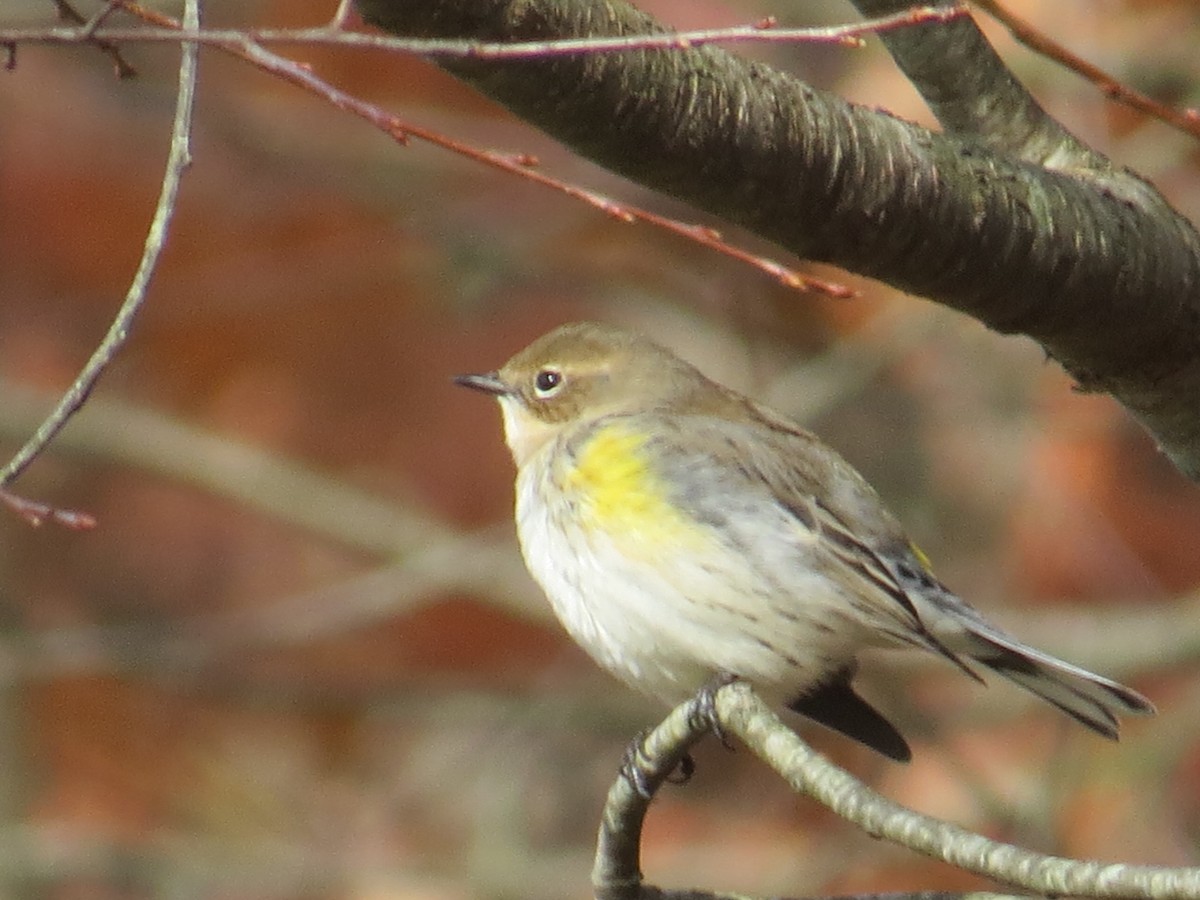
(179, 157)
(616, 875)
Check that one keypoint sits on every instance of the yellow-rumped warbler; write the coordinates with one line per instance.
(682, 531)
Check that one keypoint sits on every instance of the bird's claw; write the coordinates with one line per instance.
(686, 769)
(702, 717)
(704, 708)
(636, 774)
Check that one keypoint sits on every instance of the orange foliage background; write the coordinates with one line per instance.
(164, 736)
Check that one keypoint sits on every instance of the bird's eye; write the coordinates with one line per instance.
(547, 382)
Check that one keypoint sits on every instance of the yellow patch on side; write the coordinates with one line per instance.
(921, 557)
(614, 487)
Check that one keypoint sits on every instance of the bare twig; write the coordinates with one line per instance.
(522, 165)
(248, 45)
(87, 32)
(178, 159)
(1187, 120)
(37, 514)
(759, 33)
(341, 16)
(100, 17)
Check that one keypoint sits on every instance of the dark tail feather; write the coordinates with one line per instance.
(836, 706)
(1088, 698)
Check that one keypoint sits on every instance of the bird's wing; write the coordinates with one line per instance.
(837, 517)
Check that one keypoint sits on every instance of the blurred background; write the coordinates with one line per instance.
(299, 657)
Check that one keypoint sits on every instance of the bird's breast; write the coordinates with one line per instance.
(663, 597)
(611, 481)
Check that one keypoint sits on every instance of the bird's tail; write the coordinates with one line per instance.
(1091, 699)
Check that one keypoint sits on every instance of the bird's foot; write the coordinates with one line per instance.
(704, 707)
(631, 771)
(684, 772)
(639, 779)
(702, 716)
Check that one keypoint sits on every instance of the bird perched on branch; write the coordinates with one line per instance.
(682, 531)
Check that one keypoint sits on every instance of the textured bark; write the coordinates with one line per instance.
(1005, 217)
(973, 94)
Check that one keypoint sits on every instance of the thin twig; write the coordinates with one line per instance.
(342, 15)
(87, 34)
(616, 870)
(248, 46)
(37, 514)
(518, 164)
(1187, 120)
(178, 159)
(100, 17)
(759, 33)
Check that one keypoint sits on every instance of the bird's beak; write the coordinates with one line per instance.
(489, 383)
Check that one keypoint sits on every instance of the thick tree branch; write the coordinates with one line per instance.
(1088, 261)
(973, 94)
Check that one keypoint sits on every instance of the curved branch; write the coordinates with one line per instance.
(740, 711)
(748, 717)
(972, 92)
(616, 873)
(178, 159)
(1089, 261)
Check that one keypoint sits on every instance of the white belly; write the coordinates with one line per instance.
(666, 619)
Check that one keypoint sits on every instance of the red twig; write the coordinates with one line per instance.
(37, 514)
(521, 165)
(1186, 120)
(87, 33)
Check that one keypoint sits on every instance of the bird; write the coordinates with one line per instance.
(684, 532)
